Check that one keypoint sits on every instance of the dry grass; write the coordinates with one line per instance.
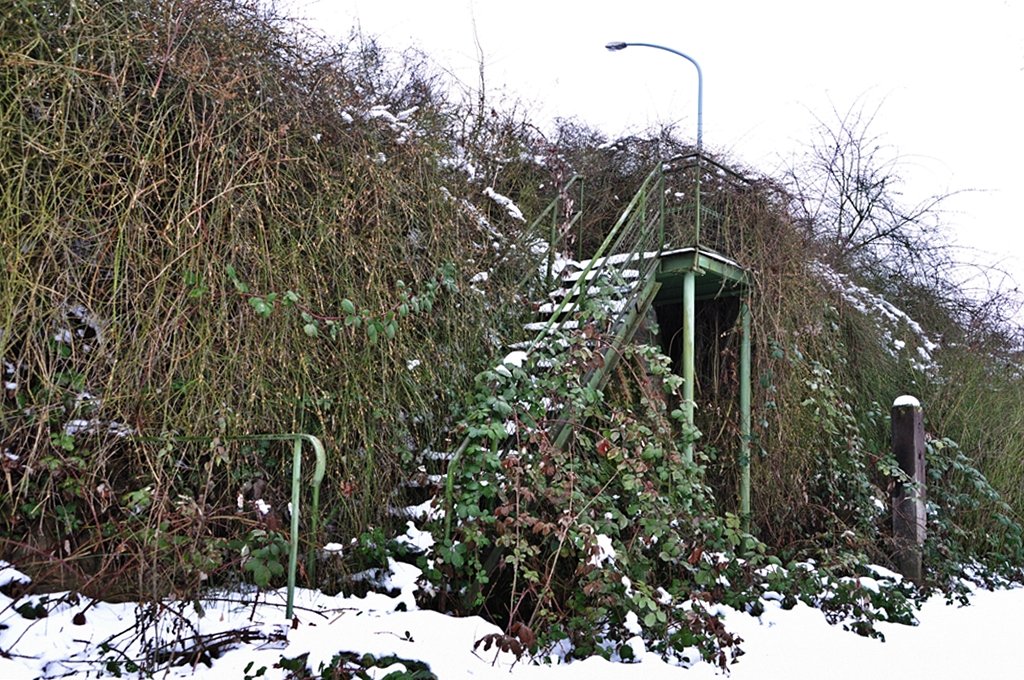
(148, 147)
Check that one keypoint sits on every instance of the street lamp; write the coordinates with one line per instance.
(689, 278)
(618, 46)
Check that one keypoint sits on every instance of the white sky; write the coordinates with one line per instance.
(948, 75)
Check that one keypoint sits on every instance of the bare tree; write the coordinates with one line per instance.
(847, 190)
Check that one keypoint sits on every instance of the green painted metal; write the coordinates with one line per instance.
(636, 245)
(717, 276)
(631, 232)
(745, 432)
(560, 216)
(449, 490)
(627, 327)
(636, 237)
(318, 476)
(689, 319)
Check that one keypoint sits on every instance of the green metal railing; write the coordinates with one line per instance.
(636, 237)
(626, 260)
(319, 470)
(556, 223)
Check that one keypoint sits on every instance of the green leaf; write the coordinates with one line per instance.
(261, 306)
(348, 307)
(311, 329)
(371, 333)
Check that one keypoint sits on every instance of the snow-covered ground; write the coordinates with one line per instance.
(78, 637)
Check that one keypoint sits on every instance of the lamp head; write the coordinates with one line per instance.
(615, 46)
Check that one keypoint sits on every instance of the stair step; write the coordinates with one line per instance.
(428, 509)
(430, 454)
(573, 307)
(537, 326)
(422, 480)
(600, 273)
(562, 293)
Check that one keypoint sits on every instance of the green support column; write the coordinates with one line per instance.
(689, 314)
(745, 413)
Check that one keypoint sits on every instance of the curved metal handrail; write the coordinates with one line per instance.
(318, 475)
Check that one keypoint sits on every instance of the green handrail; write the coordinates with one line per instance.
(318, 476)
(636, 232)
(612, 243)
(571, 212)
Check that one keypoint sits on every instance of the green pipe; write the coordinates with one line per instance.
(318, 476)
(689, 315)
(661, 211)
(745, 414)
(552, 236)
(449, 490)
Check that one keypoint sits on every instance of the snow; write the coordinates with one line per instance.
(515, 358)
(890, 319)
(9, 574)
(978, 641)
(907, 400)
(604, 553)
(505, 202)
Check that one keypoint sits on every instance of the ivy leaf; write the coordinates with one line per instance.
(261, 306)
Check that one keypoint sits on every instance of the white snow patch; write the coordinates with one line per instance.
(605, 552)
(419, 541)
(9, 575)
(505, 202)
(516, 358)
(632, 623)
(907, 400)
(796, 643)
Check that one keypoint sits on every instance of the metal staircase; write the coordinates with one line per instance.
(626, 275)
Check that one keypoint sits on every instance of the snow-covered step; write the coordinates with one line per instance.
(423, 480)
(561, 293)
(610, 306)
(624, 274)
(430, 454)
(550, 343)
(537, 326)
(428, 509)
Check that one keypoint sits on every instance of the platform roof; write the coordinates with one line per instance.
(716, 275)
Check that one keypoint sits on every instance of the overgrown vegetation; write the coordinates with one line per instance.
(213, 224)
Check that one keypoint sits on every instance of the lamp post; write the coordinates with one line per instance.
(618, 46)
(689, 279)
